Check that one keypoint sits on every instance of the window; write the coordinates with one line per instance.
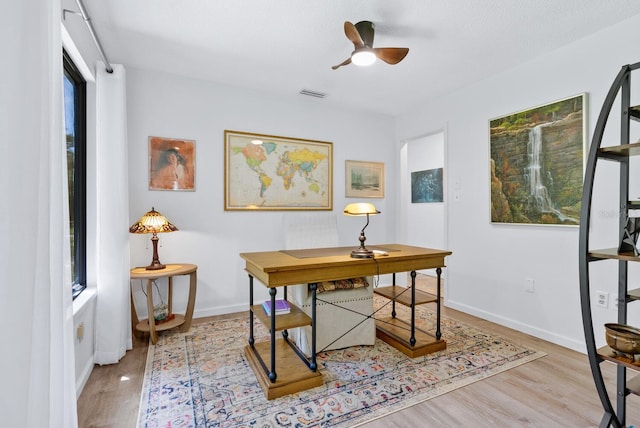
(75, 123)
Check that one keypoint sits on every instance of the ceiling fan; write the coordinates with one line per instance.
(361, 35)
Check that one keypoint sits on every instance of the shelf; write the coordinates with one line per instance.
(402, 295)
(634, 294)
(177, 321)
(614, 405)
(621, 150)
(296, 318)
(397, 332)
(613, 254)
(607, 354)
(293, 375)
(633, 385)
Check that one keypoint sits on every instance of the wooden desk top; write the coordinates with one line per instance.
(279, 268)
(169, 270)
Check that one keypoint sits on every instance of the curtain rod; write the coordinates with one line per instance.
(92, 31)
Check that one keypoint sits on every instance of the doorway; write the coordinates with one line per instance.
(424, 220)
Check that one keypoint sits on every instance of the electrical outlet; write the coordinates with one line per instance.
(602, 299)
(529, 285)
(80, 332)
(614, 302)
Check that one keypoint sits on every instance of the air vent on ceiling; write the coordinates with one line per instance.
(312, 93)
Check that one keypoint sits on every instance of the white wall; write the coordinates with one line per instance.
(489, 265)
(169, 106)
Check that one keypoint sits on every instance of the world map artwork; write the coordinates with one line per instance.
(275, 173)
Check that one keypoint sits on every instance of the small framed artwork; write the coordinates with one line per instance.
(536, 163)
(426, 186)
(364, 179)
(172, 164)
(265, 172)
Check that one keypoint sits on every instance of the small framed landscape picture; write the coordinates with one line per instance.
(364, 179)
(172, 164)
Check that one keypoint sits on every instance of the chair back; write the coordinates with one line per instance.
(310, 230)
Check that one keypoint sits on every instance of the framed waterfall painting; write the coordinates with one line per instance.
(536, 163)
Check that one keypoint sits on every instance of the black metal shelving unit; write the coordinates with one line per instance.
(620, 90)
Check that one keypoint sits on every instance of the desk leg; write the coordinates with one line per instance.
(313, 366)
(150, 319)
(438, 333)
(188, 314)
(285, 332)
(412, 339)
(393, 301)
(251, 339)
(272, 374)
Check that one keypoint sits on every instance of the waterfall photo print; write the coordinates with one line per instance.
(536, 163)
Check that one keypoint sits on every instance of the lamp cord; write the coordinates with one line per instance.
(157, 289)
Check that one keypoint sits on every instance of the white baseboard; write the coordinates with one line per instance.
(220, 310)
(82, 379)
(557, 339)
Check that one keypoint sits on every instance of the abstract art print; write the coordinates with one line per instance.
(537, 162)
(171, 164)
(426, 186)
(265, 172)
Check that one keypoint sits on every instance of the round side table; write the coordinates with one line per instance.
(174, 320)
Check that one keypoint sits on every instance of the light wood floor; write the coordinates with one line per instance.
(553, 391)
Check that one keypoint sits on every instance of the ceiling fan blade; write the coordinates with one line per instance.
(353, 35)
(391, 55)
(345, 62)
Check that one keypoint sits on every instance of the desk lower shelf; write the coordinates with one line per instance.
(296, 318)
(397, 333)
(402, 295)
(293, 374)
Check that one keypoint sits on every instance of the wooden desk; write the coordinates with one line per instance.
(279, 268)
(179, 320)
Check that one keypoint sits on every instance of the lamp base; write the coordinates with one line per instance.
(155, 260)
(155, 265)
(362, 253)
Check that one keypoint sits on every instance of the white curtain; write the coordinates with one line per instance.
(113, 319)
(37, 364)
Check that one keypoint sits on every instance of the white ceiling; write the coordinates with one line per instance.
(284, 46)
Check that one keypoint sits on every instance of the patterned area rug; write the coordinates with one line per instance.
(201, 379)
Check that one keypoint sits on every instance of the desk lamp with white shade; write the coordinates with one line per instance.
(360, 209)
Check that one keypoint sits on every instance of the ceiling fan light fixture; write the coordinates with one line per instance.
(363, 57)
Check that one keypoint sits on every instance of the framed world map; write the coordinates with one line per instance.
(265, 172)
